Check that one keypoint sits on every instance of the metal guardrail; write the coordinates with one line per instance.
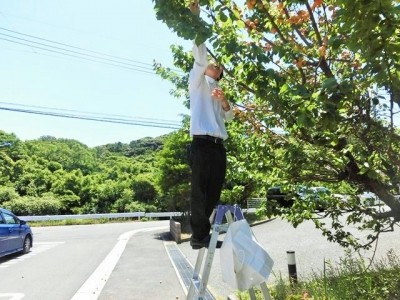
(112, 215)
(254, 203)
(163, 214)
(100, 216)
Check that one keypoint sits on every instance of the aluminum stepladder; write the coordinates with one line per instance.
(198, 285)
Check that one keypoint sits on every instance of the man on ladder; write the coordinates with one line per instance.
(209, 109)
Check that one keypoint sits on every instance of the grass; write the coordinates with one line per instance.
(349, 279)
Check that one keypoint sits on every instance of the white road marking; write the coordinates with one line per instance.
(36, 249)
(93, 286)
(12, 296)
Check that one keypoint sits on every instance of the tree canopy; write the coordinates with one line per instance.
(316, 88)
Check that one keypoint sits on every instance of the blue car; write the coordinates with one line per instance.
(15, 234)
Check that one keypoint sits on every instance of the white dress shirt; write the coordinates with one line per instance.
(207, 115)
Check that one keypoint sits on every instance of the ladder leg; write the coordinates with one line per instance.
(199, 262)
(196, 278)
(252, 294)
(265, 291)
(212, 217)
(228, 216)
(209, 259)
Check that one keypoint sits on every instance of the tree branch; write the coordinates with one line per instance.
(296, 28)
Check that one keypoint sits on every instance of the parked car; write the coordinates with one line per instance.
(369, 199)
(275, 195)
(316, 194)
(15, 234)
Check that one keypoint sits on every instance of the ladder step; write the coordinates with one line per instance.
(222, 228)
(196, 286)
(196, 283)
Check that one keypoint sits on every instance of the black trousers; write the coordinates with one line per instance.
(208, 164)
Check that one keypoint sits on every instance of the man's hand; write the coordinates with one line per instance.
(194, 7)
(219, 96)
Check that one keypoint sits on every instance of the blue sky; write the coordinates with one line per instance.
(32, 77)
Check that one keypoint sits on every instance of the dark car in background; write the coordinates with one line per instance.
(285, 199)
(280, 198)
(15, 234)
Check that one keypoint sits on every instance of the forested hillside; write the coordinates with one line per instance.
(62, 176)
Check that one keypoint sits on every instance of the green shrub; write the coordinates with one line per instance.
(137, 206)
(34, 206)
(7, 194)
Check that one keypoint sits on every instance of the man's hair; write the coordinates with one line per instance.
(221, 76)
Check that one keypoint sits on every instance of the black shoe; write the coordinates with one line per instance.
(198, 244)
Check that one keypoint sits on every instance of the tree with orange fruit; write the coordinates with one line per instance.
(319, 83)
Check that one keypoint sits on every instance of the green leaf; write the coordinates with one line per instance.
(284, 88)
(236, 13)
(330, 83)
(223, 17)
(241, 24)
(335, 42)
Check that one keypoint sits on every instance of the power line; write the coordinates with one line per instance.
(80, 57)
(91, 113)
(62, 44)
(114, 59)
(104, 118)
(75, 52)
(126, 122)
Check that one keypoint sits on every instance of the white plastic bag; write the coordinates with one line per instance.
(244, 262)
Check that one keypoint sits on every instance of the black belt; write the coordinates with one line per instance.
(210, 138)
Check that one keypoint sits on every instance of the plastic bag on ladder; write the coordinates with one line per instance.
(244, 262)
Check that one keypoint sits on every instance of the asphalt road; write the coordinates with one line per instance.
(62, 259)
